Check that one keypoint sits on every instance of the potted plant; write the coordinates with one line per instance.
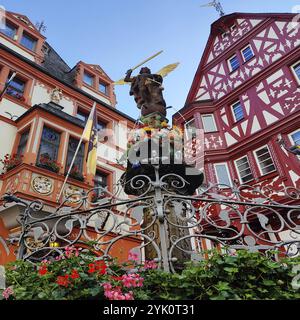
(75, 173)
(46, 162)
(11, 161)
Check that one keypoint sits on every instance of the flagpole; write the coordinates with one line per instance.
(7, 84)
(77, 149)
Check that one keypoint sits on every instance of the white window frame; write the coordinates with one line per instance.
(224, 35)
(258, 163)
(294, 73)
(229, 64)
(238, 172)
(233, 27)
(214, 121)
(248, 45)
(290, 136)
(291, 139)
(228, 173)
(186, 128)
(233, 114)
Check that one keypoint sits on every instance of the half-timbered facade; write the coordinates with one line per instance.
(245, 96)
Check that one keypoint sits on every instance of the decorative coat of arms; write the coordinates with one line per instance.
(42, 185)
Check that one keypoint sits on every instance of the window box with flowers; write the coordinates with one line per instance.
(13, 93)
(11, 161)
(47, 163)
(75, 173)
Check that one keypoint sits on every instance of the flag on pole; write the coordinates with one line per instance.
(90, 133)
(7, 84)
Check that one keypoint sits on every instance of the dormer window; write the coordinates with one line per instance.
(103, 88)
(10, 30)
(88, 79)
(28, 41)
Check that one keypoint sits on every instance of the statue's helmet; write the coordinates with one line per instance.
(145, 70)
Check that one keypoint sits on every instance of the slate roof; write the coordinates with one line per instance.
(56, 110)
(56, 66)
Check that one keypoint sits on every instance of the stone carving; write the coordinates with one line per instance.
(56, 95)
(72, 194)
(42, 185)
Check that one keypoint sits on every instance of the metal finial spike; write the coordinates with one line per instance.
(217, 6)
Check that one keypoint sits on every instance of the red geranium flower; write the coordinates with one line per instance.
(62, 281)
(43, 270)
(101, 266)
(74, 274)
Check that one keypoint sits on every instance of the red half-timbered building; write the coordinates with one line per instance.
(246, 97)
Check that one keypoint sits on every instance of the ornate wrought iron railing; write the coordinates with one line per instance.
(170, 226)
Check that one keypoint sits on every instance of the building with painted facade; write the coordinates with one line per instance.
(42, 116)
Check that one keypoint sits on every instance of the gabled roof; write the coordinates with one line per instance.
(97, 68)
(24, 19)
(221, 25)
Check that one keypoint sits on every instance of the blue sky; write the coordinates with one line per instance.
(118, 34)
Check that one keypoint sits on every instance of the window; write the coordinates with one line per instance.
(244, 170)
(28, 41)
(238, 111)
(49, 145)
(16, 88)
(77, 167)
(9, 30)
(234, 63)
(209, 124)
(82, 115)
(190, 129)
(296, 69)
(101, 180)
(222, 173)
(88, 79)
(233, 27)
(101, 125)
(265, 160)
(296, 138)
(23, 143)
(247, 53)
(224, 35)
(103, 88)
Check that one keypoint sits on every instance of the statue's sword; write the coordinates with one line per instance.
(140, 64)
(152, 57)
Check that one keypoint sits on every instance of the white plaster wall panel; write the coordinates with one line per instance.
(229, 139)
(294, 177)
(7, 137)
(277, 107)
(12, 107)
(108, 153)
(255, 125)
(16, 49)
(68, 105)
(40, 94)
(269, 117)
(121, 134)
(97, 96)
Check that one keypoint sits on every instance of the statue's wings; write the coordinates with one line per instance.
(121, 82)
(167, 69)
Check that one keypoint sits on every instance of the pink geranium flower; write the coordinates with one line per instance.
(7, 293)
